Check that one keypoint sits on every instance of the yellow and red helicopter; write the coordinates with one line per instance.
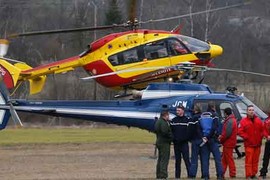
(123, 60)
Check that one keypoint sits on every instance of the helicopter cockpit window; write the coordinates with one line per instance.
(176, 48)
(219, 106)
(155, 50)
(242, 108)
(194, 45)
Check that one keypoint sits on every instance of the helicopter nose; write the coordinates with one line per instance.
(215, 50)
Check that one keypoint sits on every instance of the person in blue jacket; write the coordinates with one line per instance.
(210, 124)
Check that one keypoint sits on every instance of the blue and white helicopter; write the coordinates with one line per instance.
(141, 113)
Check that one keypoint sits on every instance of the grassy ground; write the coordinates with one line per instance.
(74, 135)
(84, 153)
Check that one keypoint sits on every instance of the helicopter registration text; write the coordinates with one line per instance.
(177, 103)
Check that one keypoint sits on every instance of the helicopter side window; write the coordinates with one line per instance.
(222, 107)
(125, 57)
(155, 50)
(176, 48)
(242, 108)
(114, 60)
(130, 56)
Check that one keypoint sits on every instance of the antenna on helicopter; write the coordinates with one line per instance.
(231, 90)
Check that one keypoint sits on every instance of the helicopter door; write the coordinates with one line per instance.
(176, 50)
(156, 53)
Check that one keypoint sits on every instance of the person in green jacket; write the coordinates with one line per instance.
(163, 143)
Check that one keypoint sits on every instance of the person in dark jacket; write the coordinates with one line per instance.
(196, 149)
(163, 143)
(228, 141)
(181, 136)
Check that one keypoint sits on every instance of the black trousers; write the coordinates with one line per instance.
(181, 149)
(266, 158)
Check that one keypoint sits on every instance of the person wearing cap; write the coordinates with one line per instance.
(163, 143)
(181, 136)
(228, 141)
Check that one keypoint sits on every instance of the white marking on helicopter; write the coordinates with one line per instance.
(177, 103)
(163, 71)
(161, 94)
(97, 112)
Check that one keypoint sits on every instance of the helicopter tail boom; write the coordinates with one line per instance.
(20, 71)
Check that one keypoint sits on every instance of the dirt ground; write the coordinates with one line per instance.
(86, 161)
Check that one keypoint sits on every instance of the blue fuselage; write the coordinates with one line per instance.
(139, 113)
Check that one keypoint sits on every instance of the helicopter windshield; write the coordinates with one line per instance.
(242, 108)
(194, 45)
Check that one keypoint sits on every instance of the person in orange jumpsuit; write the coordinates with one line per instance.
(228, 141)
(252, 131)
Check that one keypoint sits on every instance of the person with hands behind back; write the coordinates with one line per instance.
(210, 125)
(196, 148)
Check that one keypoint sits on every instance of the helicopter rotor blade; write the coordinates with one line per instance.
(132, 14)
(239, 71)
(195, 13)
(67, 30)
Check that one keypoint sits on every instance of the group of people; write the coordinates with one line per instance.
(205, 132)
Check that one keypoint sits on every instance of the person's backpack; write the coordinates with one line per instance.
(206, 122)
